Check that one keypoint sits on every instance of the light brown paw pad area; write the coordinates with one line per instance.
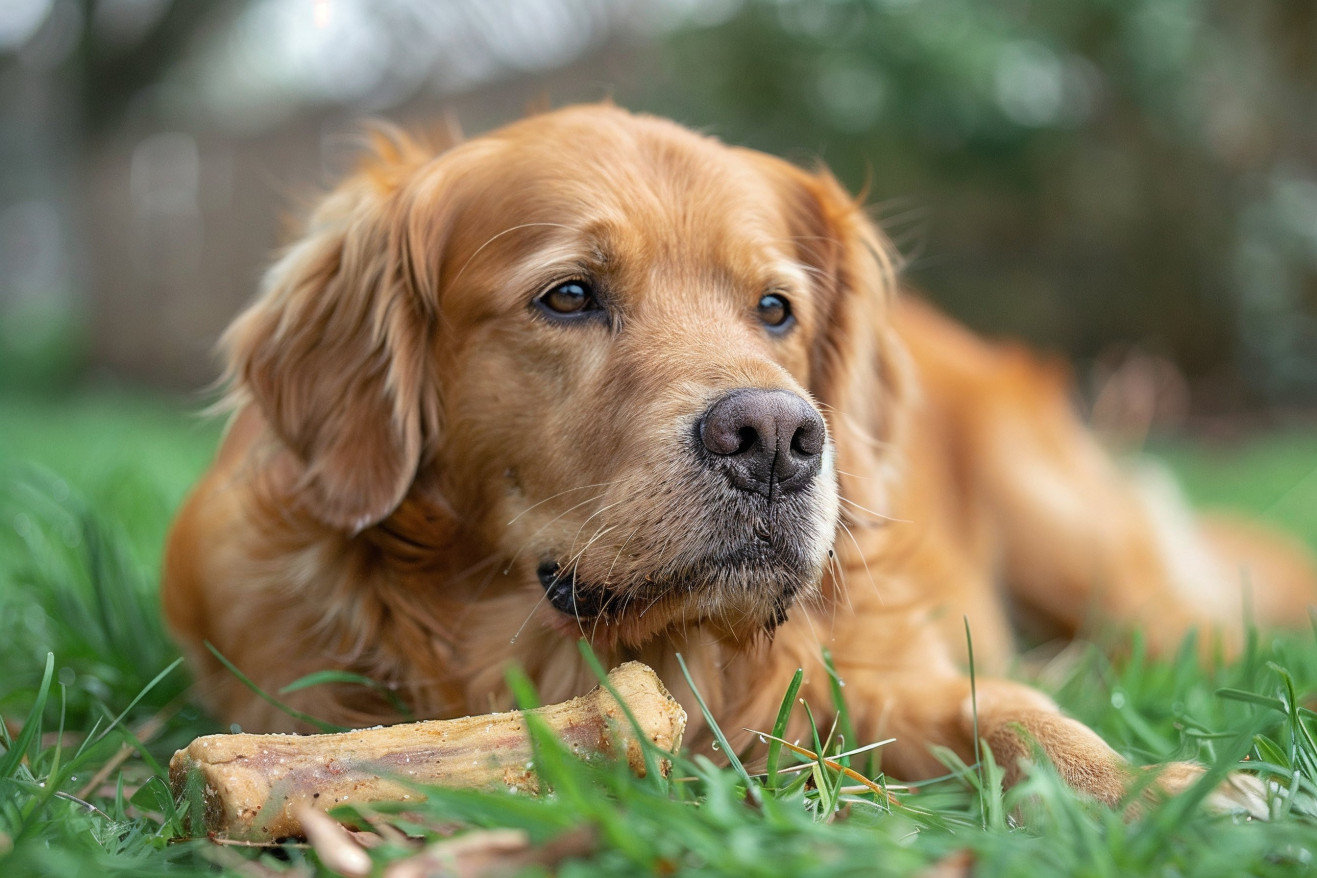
(1239, 793)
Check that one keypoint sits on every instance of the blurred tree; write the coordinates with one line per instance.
(70, 71)
(125, 48)
(1079, 173)
(1074, 172)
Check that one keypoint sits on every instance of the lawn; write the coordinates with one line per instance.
(93, 705)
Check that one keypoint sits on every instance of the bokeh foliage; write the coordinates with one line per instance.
(1082, 173)
(1074, 172)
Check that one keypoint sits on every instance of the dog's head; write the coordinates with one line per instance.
(629, 360)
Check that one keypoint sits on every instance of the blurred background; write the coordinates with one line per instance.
(1119, 180)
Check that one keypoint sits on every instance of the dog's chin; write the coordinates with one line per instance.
(741, 601)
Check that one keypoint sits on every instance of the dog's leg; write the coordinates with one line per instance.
(1074, 536)
(1083, 539)
(920, 712)
(1019, 724)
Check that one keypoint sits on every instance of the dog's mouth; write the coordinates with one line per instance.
(746, 594)
(568, 596)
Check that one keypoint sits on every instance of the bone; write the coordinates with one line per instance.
(254, 786)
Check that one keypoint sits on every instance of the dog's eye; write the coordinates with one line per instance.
(775, 311)
(571, 297)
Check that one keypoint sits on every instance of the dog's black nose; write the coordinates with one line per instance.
(764, 437)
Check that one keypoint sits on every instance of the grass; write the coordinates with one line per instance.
(94, 702)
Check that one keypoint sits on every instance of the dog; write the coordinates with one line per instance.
(594, 375)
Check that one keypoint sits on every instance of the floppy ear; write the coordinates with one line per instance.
(858, 367)
(336, 351)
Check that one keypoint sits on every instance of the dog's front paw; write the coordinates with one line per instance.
(1239, 793)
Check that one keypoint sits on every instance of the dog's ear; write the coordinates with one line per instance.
(336, 350)
(858, 367)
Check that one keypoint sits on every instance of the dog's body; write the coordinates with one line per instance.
(597, 376)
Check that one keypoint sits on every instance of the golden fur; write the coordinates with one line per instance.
(417, 440)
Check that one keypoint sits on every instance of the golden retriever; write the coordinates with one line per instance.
(594, 375)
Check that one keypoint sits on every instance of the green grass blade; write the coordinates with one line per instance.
(326, 678)
(270, 699)
(984, 803)
(1267, 701)
(32, 725)
(751, 786)
(836, 684)
(780, 726)
(140, 695)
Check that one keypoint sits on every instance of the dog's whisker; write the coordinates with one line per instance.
(863, 558)
(878, 515)
(658, 596)
(507, 231)
(813, 631)
(603, 614)
(809, 269)
(491, 564)
(552, 497)
(850, 603)
(872, 477)
(859, 523)
(598, 620)
(853, 423)
(530, 539)
(863, 435)
(608, 577)
(598, 511)
(475, 567)
(831, 571)
(576, 557)
(918, 213)
(838, 572)
(530, 615)
(576, 506)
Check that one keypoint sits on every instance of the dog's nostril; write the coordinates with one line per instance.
(808, 439)
(748, 436)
